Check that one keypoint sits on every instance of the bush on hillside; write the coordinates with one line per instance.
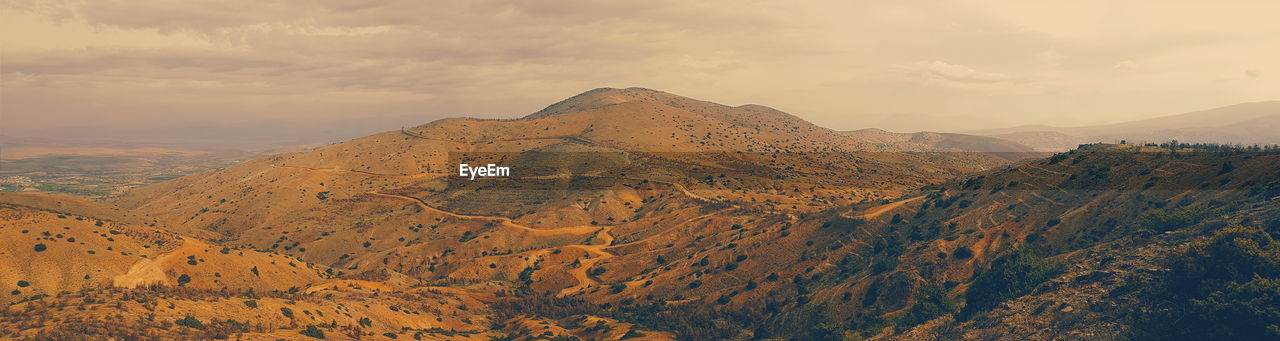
(190, 321)
(1226, 288)
(312, 331)
(1010, 276)
(932, 302)
(1172, 218)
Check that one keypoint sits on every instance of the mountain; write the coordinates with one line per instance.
(675, 142)
(1246, 123)
(654, 165)
(945, 142)
(647, 158)
(639, 214)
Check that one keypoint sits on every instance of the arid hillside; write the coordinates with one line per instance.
(621, 166)
(639, 214)
(78, 269)
(983, 257)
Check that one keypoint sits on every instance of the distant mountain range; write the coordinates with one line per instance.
(1245, 123)
(937, 141)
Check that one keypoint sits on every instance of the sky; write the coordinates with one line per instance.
(73, 67)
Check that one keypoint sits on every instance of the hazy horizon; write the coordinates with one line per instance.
(81, 70)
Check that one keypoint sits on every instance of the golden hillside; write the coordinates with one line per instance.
(629, 213)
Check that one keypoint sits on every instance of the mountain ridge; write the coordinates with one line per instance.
(1244, 123)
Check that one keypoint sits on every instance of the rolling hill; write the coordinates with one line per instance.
(929, 141)
(126, 276)
(674, 159)
(639, 214)
(1245, 124)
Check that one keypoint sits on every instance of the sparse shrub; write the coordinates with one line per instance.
(252, 304)
(842, 224)
(41, 247)
(312, 331)
(184, 279)
(190, 321)
(1010, 276)
(1172, 219)
(932, 302)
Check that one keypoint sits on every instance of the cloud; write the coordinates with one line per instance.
(404, 46)
(134, 62)
(955, 75)
(1123, 66)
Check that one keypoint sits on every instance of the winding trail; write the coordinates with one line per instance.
(597, 253)
(148, 271)
(678, 187)
(1029, 165)
(594, 252)
(1051, 201)
(477, 295)
(882, 209)
(504, 221)
(488, 140)
(356, 172)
